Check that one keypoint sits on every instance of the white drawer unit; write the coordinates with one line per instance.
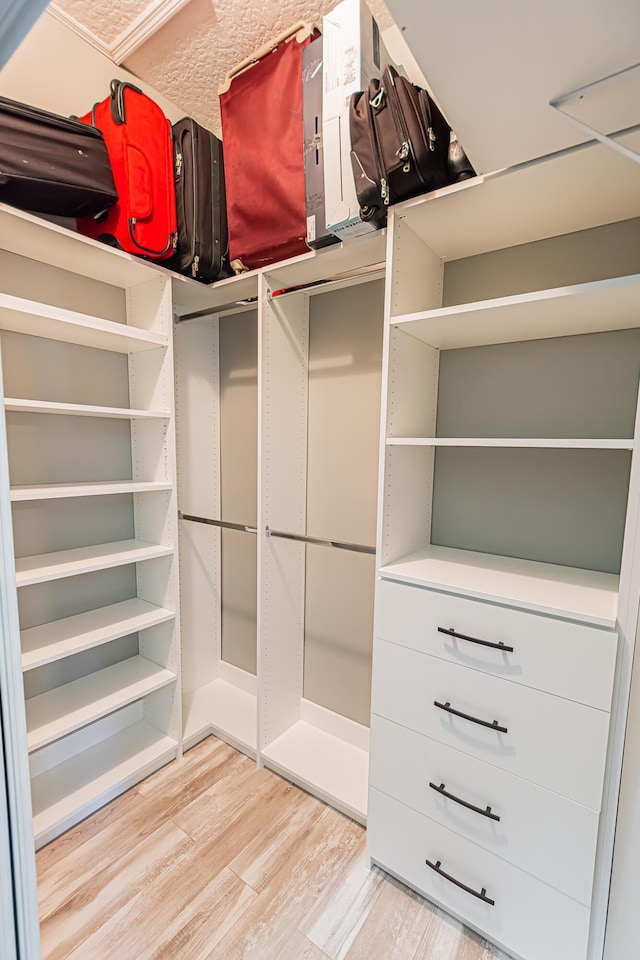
(544, 834)
(570, 659)
(519, 912)
(556, 743)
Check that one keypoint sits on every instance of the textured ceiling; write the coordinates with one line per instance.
(106, 20)
(188, 57)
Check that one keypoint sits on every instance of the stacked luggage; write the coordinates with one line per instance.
(309, 158)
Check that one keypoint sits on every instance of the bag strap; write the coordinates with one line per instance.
(300, 30)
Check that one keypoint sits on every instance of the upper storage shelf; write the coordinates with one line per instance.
(583, 308)
(54, 323)
(580, 188)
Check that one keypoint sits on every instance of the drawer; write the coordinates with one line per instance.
(568, 659)
(528, 918)
(556, 743)
(542, 833)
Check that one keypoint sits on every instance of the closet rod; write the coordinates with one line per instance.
(211, 311)
(217, 523)
(340, 544)
(336, 278)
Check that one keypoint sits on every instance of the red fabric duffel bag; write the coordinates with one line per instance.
(262, 134)
(140, 148)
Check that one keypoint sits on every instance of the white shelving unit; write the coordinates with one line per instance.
(54, 715)
(98, 585)
(69, 563)
(508, 505)
(62, 638)
(13, 405)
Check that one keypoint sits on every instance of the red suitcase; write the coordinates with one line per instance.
(262, 133)
(140, 147)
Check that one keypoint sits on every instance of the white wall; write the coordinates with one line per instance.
(56, 70)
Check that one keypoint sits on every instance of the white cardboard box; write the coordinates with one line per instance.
(354, 54)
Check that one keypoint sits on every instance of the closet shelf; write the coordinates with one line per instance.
(76, 787)
(69, 563)
(38, 239)
(54, 323)
(584, 595)
(327, 766)
(62, 638)
(13, 405)
(559, 312)
(40, 491)
(224, 710)
(545, 442)
(528, 203)
(59, 712)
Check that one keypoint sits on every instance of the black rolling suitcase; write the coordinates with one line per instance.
(201, 203)
(52, 165)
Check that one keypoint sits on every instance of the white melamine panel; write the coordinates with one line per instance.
(222, 709)
(412, 397)
(545, 835)
(68, 563)
(80, 410)
(61, 711)
(565, 311)
(62, 638)
(329, 767)
(54, 323)
(542, 587)
(416, 274)
(47, 242)
(65, 289)
(573, 191)
(45, 492)
(529, 918)
(282, 482)
(556, 743)
(75, 788)
(551, 443)
(329, 262)
(567, 659)
(516, 59)
(406, 520)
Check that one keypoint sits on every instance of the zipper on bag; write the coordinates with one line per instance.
(406, 151)
(377, 157)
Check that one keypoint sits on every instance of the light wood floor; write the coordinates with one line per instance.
(212, 859)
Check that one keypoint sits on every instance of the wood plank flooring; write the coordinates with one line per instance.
(213, 859)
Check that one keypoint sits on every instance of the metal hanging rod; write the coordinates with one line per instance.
(217, 523)
(319, 541)
(347, 275)
(217, 309)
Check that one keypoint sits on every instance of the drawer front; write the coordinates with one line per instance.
(568, 659)
(553, 742)
(542, 833)
(528, 918)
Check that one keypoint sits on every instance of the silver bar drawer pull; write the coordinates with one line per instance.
(491, 724)
(450, 632)
(464, 803)
(482, 895)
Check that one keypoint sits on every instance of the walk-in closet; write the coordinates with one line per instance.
(320, 510)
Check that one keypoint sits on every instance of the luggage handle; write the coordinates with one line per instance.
(117, 89)
(171, 242)
(301, 30)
